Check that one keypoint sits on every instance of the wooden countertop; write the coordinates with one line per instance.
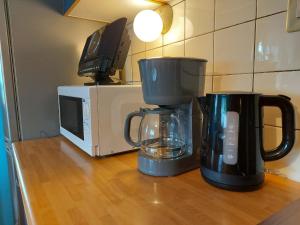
(62, 185)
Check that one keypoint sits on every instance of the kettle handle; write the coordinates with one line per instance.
(128, 126)
(288, 125)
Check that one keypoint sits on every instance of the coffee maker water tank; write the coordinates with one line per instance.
(172, 81)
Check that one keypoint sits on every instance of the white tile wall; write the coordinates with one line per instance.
(231, 12)
(242, 82)
(157, 52)
(174, 50)
(127, 72)
(136, 44)
(234, 49)
(208, 84)
(130, 47)
(176, 32)
(275, 48)
(289, 166)
(271, 137)
(232, 54)
(201, 47)
(268, 7)
(155, 44)
(199, 17)
(135, 66)
(174, 2)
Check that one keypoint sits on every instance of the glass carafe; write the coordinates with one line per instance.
(161, 134)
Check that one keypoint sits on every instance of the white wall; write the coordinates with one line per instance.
(247, 49)
(46, 50)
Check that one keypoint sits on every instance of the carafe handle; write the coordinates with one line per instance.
(203, 106)
(128, 126)
(288, 125)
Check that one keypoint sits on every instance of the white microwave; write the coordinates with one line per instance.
(92, 117)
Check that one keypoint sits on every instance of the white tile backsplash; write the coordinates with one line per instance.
(242, 82)
(272, 137)
(208, 84)
(127, 71)
(135, 65)
(286, 83)
(157, 52)
(268, 7)
(174, 2)
(234, 49)
(176, 32)
(275, 48)
(231, 12)
(136, 44)
(201, 47)
(199, 17)
(155, 44)
(289, 165)
(226, 39)
(174, 50)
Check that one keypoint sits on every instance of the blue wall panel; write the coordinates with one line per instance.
(68, 4)
(6, 207)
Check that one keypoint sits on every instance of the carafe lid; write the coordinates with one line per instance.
(159, 110)
(173, 59)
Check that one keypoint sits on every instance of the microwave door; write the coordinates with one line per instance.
(71, 115)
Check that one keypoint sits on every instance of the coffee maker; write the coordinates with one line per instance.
(169, 134)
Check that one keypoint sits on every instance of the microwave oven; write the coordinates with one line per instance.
(92, 117)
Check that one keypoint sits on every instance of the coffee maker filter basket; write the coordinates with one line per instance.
(172, 81)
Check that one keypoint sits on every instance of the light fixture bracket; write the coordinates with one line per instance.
(166, 13)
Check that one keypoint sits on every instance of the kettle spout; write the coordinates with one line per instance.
(203, 105)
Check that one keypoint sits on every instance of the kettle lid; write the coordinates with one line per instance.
(225, 93)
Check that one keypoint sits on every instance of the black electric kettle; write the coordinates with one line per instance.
(232, 154)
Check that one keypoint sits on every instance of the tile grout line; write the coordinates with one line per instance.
(177, 3)
(247, 21)
(213, 49)
(278, 71)
(234, 25)
(254, 48)
(257, 73)
(276, 126)
(271, 125)
(184, 26)
(261, 17)
(232, 74)
(199, 35)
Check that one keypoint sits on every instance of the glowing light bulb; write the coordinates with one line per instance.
(147, 25)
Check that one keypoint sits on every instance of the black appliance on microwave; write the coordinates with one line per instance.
(105, 51)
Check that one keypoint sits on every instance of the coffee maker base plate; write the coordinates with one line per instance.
(233, 182)
(167, 167)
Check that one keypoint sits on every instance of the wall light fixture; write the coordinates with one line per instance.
(148, 25)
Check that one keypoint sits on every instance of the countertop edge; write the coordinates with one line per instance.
(25, 200)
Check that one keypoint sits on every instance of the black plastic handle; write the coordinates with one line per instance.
(288, 125)
(128, 126)
(203, 106)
